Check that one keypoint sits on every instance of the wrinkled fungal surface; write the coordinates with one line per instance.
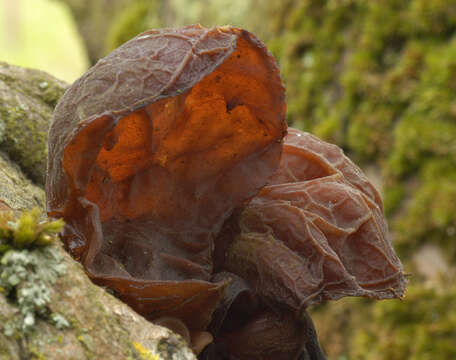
(150, 152)
(317, 232)
(306, 157)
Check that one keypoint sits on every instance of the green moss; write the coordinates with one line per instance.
(393, 197)
(27, 231)
(38, 84)
(27, 99)
(429, 215)
(422, 327)
(49, 91)
(15, 121)
(428, 126)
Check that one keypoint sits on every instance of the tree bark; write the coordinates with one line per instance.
(27, 99)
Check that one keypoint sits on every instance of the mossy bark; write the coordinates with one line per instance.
(27, 99)
(91, 323)
(16, 191)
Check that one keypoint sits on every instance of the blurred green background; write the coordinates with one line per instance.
(376, 77)
(41, 34)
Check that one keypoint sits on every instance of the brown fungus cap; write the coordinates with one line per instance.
(149, 153)
(316, 232)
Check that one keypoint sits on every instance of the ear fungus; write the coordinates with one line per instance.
(150, 152)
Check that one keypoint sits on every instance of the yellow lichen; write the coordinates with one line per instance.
(144, 353)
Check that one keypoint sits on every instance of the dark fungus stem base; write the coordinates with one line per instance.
(312, 348)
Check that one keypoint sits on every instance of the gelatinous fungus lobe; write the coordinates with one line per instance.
(316, 232)
(149, 153)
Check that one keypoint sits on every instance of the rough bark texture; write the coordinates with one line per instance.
(27, 99)
(16, 191)
(90, 323)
